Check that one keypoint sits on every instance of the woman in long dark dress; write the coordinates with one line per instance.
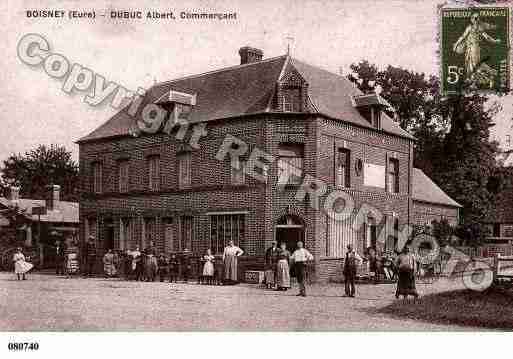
(406, 264)
(282, 268)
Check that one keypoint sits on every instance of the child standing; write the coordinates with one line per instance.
(163, 264)
(71, 255)
(186, 265)
(21, 266)
(208, 267)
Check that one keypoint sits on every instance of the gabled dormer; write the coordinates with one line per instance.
(291, 92)
(370, 106)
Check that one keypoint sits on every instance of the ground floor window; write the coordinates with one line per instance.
(226, 227)
(149, 232)
(168, 233)
(496, 230)
(107, 240)
(91, 230)
(186, 232)
(126, 231)
(339, 234)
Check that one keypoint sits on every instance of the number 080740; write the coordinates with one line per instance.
(19, 346)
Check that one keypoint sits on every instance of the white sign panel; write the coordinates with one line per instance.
(507, 230)
(374, 175)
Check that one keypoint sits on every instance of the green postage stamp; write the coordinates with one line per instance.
(475, 49)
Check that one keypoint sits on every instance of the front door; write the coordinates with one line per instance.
(289, 236)
(109, 238)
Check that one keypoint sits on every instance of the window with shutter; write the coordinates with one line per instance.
(184, 170)
(125, 234)
(154, 172)
(186, 232)
(343, 168)
(123, 180)
(97, 177)
(237, 173)
(150, 233)
(290, 163)
(393, 175)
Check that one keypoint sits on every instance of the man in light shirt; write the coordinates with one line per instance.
(300, 257)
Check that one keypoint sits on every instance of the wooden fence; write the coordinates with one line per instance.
(502, 268)
(487, 250)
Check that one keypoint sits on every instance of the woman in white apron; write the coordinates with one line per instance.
(230, 256)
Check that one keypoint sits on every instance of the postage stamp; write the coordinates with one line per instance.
(475, 46)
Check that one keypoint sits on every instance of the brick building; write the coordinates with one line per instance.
(500, 222)
(140, 187)
(36, 223)
(431, 203)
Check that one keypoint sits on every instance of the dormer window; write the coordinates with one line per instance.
(370, 107)
(291, 97)
(375, 117)
(179, 104)
(182, 110)
(291, 92)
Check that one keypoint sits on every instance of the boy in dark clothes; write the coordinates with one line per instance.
(173, 269)
(186, 265)
(218, 271)
(163, 264)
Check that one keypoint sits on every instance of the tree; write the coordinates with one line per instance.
(442, 231)
(452, 146)
(415, 106)
(40, 167)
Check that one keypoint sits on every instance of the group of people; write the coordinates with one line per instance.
(405, 264)
(146, 265)
(67, 257)
(279, 263)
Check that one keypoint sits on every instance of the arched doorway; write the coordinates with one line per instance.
(289, 230)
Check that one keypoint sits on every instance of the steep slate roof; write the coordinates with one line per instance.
(247, 89)
(229, 92)
(425, 190)
(65, 212)
(331, 95)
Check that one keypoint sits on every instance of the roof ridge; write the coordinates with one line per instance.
(323, 69)
(216, 71)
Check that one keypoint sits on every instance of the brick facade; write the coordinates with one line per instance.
(264, 205)
(425, 213)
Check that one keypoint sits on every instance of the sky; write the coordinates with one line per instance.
(135, 53)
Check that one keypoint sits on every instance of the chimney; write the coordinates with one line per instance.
(250, 54)
(53, 196)
(14, 193)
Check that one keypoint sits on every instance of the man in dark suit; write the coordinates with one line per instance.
(186, 265)
(90, 256)
(271, 258)
(351, 263)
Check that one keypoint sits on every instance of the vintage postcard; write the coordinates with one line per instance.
(233, 166)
